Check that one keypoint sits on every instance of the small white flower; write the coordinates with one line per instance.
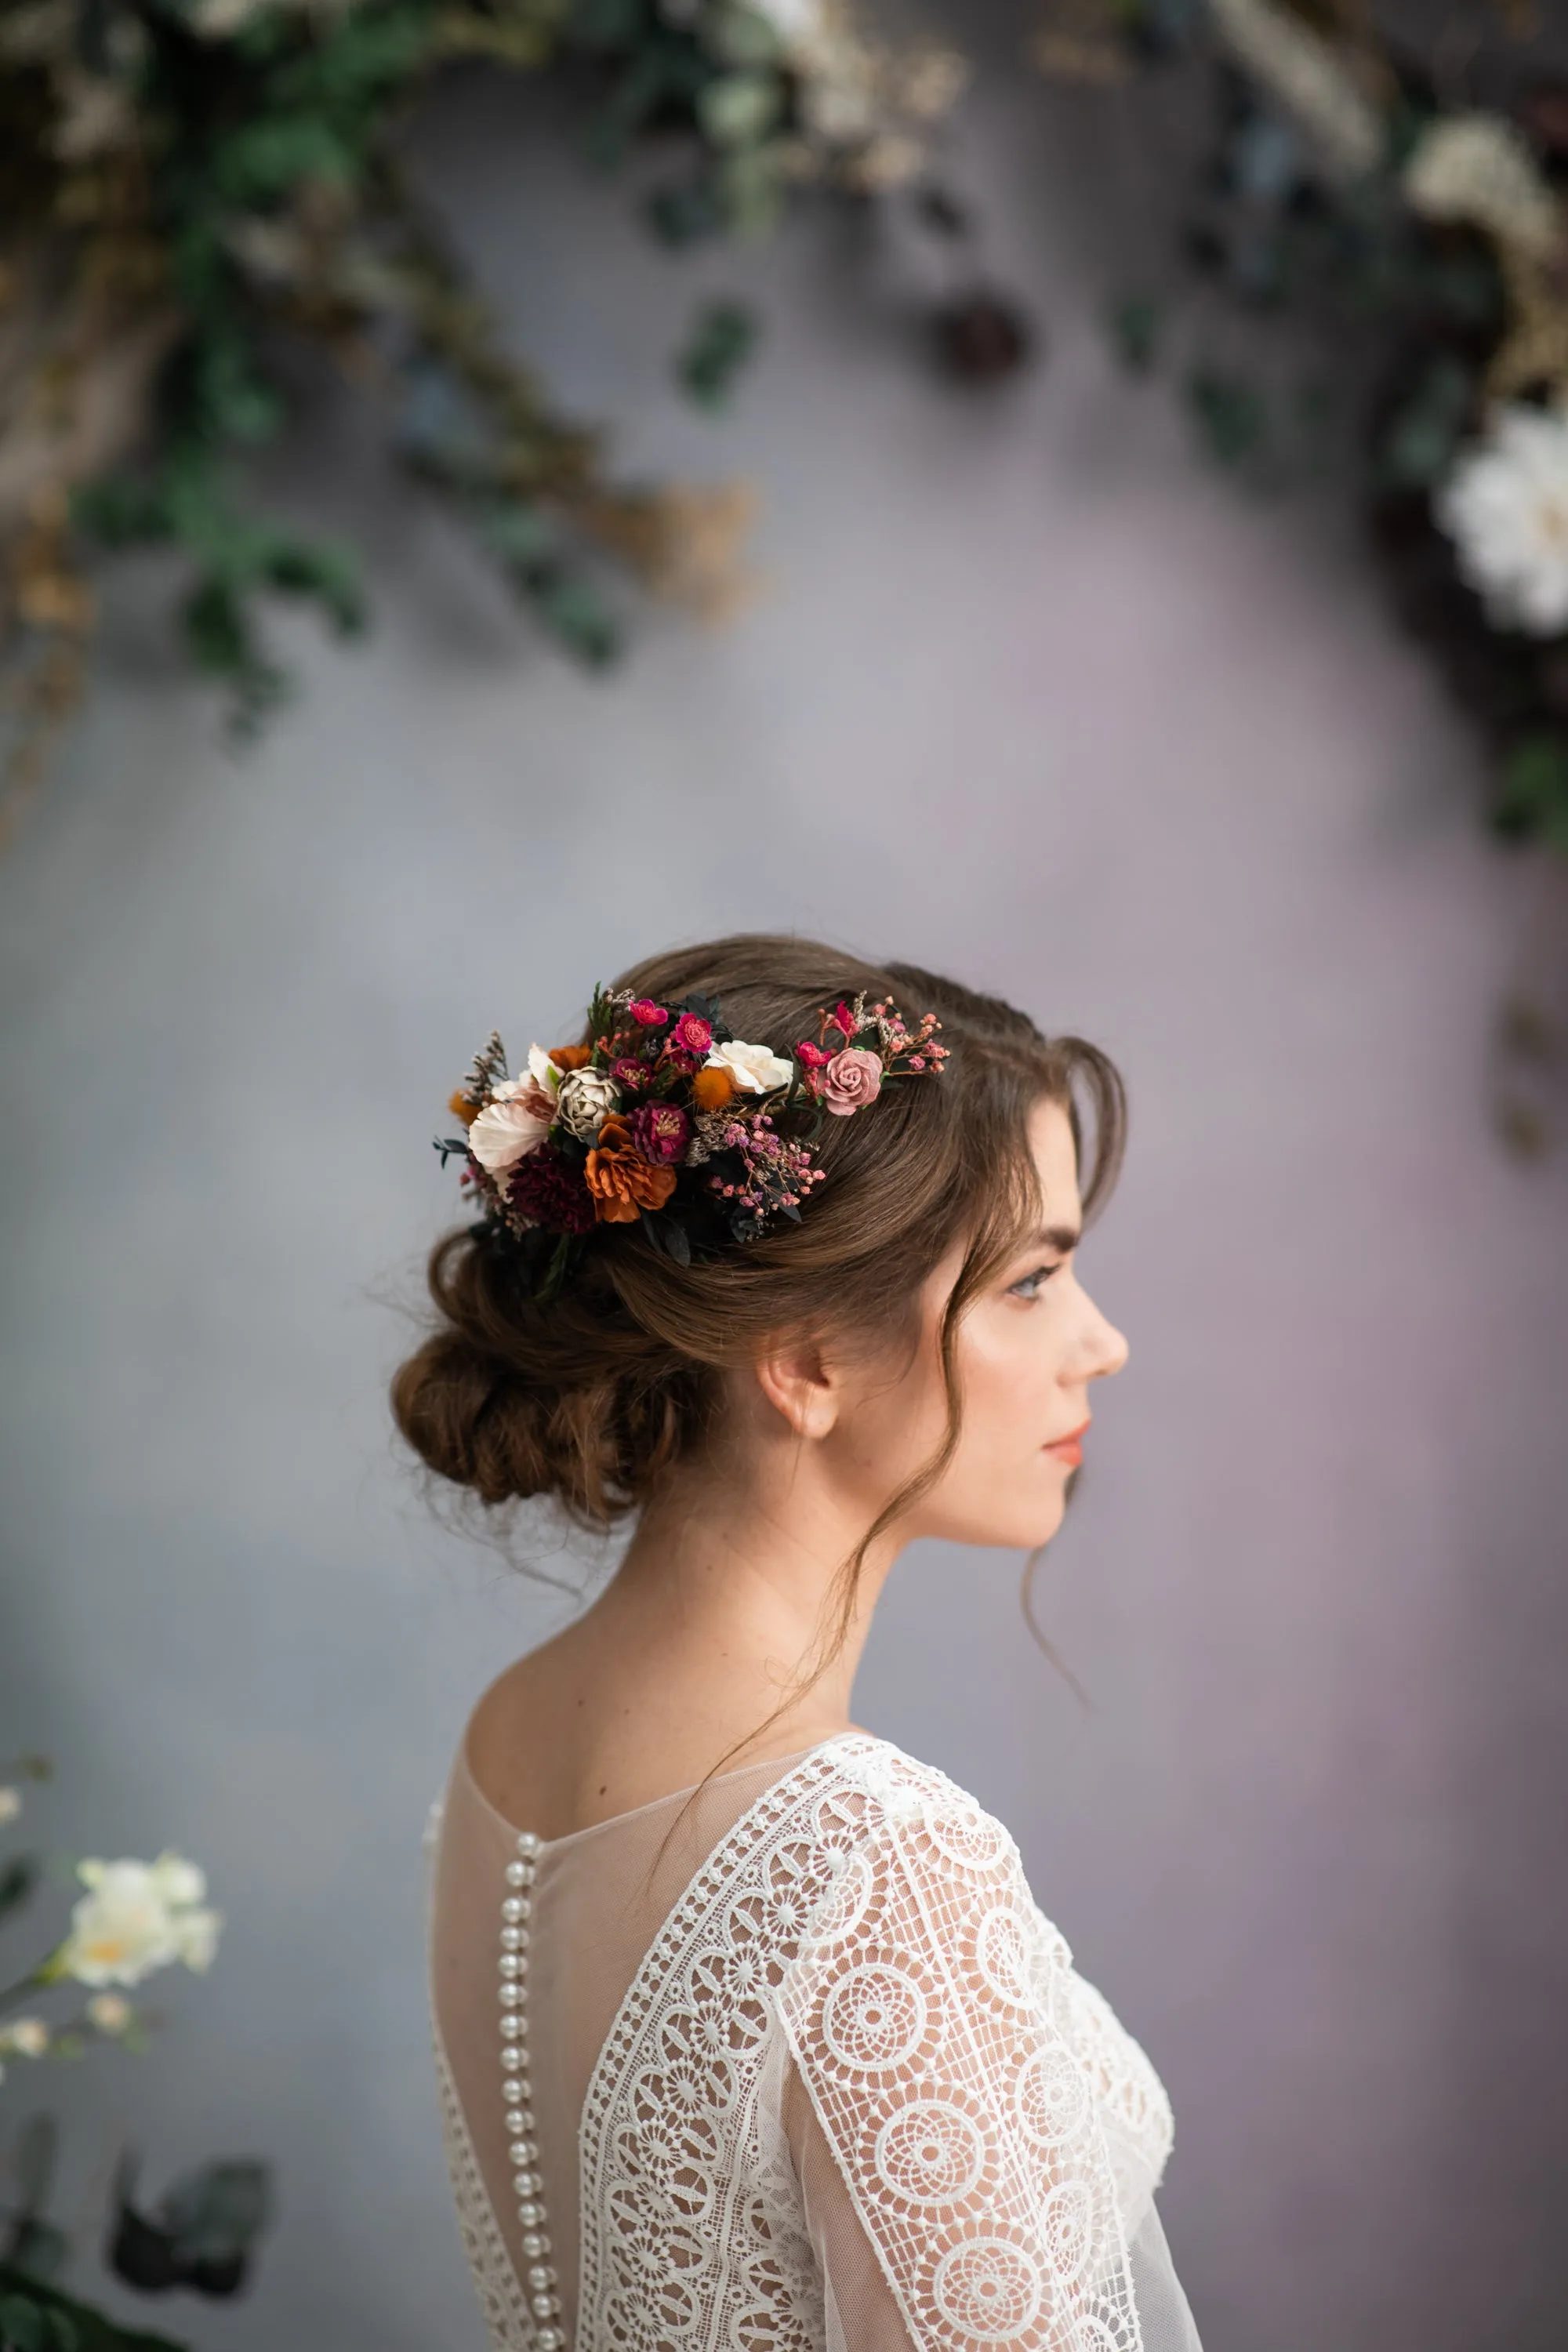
(1505, 505)
(24, 2037)
(510, 1126)
(756, 1069)
(10, 1805)
(111, 2012)
(585, 1101)
(137, 1916)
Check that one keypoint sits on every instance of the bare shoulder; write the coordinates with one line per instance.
(573, 1734)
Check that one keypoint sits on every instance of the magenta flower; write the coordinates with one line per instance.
(690, 1034)
(651, 1015)
(812, 1056)
(659, 1132)
(851, 1080)
(627, 1073)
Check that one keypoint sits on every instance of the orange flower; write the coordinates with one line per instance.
(462, 1108)
(623, 1184)
(571, 1058)
(711, 1089)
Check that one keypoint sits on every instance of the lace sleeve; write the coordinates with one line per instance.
(929, 2014)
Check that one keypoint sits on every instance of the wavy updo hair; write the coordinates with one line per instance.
(597, 1397)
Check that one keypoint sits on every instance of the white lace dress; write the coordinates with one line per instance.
(795, 2066)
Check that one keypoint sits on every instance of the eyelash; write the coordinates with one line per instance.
(1040, 1274)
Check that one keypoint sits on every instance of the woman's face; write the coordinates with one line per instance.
(1027, 1349)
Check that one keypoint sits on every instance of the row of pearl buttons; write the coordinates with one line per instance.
(517, 2090)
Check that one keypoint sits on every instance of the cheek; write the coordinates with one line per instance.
(1008, 1377)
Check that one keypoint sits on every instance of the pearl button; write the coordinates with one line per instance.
(530, 2215)
(512, 1939)
(528, 1842)
(518, 1874)
(535, 2242)
(510, 1995)
(513, 1909)
(550, 2339)
(543, 2307)
(512, 2060)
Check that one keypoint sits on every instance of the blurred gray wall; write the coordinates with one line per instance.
(1028, 696)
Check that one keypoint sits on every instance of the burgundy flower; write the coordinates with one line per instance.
(691, 1034)
(549, 1189)
(627, 1073)
(651, 1015)
(659, 1132)
(851, 1080)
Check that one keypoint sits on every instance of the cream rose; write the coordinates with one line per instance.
(585, 1101)
(755, 1069)
(512, 1124)
(137, 1916)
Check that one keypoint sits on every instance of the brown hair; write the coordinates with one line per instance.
(598, 1396)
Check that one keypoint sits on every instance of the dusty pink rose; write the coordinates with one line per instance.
(851, 1080)
(690, 1034)
(659, 1130)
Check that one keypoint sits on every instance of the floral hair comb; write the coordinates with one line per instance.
(666, 1117)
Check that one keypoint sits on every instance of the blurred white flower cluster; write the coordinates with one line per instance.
(135, 1918)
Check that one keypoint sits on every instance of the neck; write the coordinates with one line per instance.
(733, 1593)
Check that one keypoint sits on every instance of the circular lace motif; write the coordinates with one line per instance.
(1003, 1960)
(1051, 2096)
(875, 2017)
(1067, 2223)
(988, 2289)
(964, 1835)
(930, 2153)
(1092, 2334)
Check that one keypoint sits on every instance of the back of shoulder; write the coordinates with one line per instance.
(928, 1860)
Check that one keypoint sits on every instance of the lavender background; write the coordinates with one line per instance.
(1029, 696)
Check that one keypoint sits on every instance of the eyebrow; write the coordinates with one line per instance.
(1056, 1237)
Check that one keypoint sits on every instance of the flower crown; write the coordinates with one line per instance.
(667, 1117)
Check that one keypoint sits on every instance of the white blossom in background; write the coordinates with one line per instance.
(110, 2012)
(10, 1805)
(137, 1916)
(24, 2037)
(1479, 169)
(1505, 505)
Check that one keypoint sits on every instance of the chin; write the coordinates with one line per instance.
(1016, 1530)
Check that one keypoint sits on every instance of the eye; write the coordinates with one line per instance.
(1028, 1285)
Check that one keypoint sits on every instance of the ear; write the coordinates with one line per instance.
(802, 1387)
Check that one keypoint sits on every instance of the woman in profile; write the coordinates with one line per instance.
(749, 2033)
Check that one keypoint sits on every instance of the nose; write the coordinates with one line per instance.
(1106, 1347)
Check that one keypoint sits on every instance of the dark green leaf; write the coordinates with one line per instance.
(1230, 416)
(1534, 795)
(1134, 325)
(722, 338)
(17, 1879)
